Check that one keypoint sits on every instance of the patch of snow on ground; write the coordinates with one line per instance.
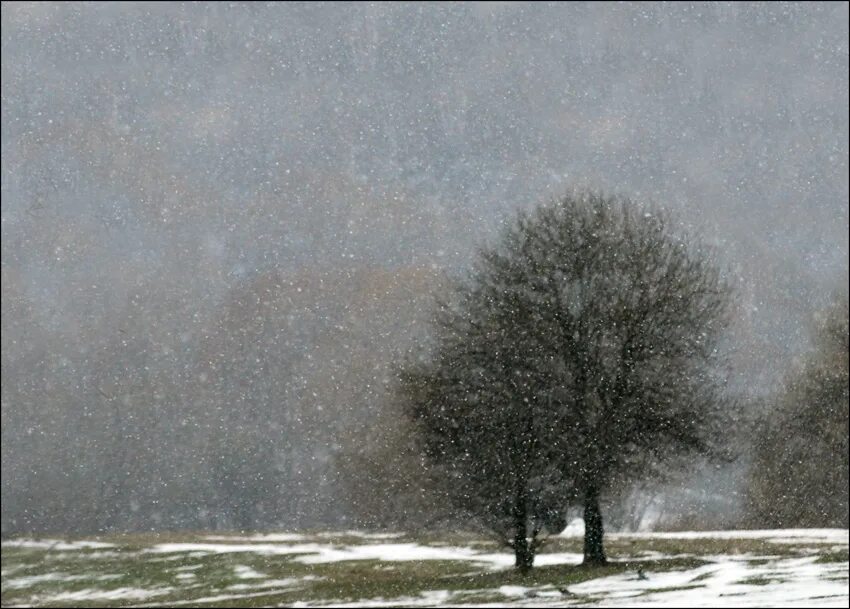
(400, 552)
(387, 552)
(55, 544)
(224, 548)
(362, 534)
(27, 582)
(431, 598)
(514, 590)
(780, 535)
(729, 581)
(842, 536)
(107, 595)
(562, 558)
(244, 572)
(267, 537)
(317, 553)
(275, 583)
(217, 598)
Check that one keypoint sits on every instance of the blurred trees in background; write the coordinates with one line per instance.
(232, 422)
(799, 476)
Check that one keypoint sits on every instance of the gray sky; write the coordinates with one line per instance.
(156, 155)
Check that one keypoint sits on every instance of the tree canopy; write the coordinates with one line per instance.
(578, 353)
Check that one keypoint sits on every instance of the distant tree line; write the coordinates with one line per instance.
(799, 476)
(231, 422)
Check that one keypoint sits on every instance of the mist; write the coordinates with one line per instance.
(223, 224)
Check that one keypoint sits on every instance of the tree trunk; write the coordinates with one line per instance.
(522, 548)
(594, 553)
(524, 553)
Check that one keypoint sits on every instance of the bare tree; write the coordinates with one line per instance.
(580, 353)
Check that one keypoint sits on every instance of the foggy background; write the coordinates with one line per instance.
(223, 223)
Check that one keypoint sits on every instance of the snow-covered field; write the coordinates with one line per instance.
(352, 569)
